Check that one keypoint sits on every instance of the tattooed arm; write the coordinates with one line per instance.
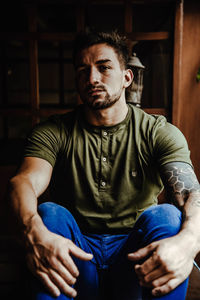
(174, 255)
(181, 182)
(183, 189)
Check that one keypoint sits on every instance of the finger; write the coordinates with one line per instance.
(166, 288)
(143, 252)
(162, 280)
(50, 286)
(148, 266)
(157, 277)
(61, 284)
(63, 271)
(79, 253)
(69, 264)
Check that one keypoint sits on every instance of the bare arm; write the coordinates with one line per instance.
(48, 254)
(30, 182)
(171, 259)
(183, 189)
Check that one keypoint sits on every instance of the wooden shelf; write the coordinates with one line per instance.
(33, 38)
(157, 111)
(6, 112)
(47, 111)
(59, 36)
(147, 36)
(28, 36)
(42, 112)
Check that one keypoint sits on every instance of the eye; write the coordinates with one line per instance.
(104, 68)
(82, 70)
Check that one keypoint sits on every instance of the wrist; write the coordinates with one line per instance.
(190, 240)
(33, 227)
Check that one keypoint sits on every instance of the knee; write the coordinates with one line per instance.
(165, 219)
(46, 207)
(55, 217)
(51, 210)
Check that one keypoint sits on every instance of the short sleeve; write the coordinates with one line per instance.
(169, 144)
(44, 142)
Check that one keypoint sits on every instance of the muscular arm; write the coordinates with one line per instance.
(173, 255)
(180, 182)
(48, 254)
(29, 183)
(183, 189)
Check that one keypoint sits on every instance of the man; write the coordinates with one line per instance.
(105, 161)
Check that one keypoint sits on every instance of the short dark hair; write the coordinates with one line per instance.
(113, 39)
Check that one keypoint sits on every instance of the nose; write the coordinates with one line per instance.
(94, 76)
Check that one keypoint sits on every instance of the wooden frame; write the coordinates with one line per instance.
(178, 41)
(34, 110)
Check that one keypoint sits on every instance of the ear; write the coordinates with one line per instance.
(128, 77)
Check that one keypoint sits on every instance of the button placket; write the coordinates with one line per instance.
(104, 160)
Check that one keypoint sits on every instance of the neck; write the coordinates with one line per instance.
(109, 116)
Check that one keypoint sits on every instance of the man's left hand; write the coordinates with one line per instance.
(165, 264)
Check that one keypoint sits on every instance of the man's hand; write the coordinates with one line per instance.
(49, 258)
(166, 264)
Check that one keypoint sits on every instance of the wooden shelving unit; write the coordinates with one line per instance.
(34, 110)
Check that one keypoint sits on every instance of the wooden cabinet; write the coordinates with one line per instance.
(37, 77)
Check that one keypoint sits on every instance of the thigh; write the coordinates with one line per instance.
(158, 222)
(60, 221)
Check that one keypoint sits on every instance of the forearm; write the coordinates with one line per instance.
(183, 189)
(23, 200)
(191, 222)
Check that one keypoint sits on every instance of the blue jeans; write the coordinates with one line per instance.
(110, 275)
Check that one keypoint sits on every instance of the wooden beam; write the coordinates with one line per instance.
(80, 17)
(34, 76)
(159, 35)
(52, 111)
(34, 72)
(47, 111)
(61, 76)
(128, 17)
(156, 111)
(27, 36)
(6, 112)
(178, 41)
(144, 36)
(4, 76)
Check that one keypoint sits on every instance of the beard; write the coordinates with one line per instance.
(96, 102)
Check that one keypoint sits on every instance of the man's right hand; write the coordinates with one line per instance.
(49, 258)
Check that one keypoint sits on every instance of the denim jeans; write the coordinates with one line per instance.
(110, 275)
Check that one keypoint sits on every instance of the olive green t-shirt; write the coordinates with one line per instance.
(106, 176)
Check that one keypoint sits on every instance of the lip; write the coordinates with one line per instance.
(95, 92)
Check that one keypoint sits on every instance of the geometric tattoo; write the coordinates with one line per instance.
(180, 179)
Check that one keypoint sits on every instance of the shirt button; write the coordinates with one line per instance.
(134, 173)
(105, 133)
(104, 158)
(103, 183)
